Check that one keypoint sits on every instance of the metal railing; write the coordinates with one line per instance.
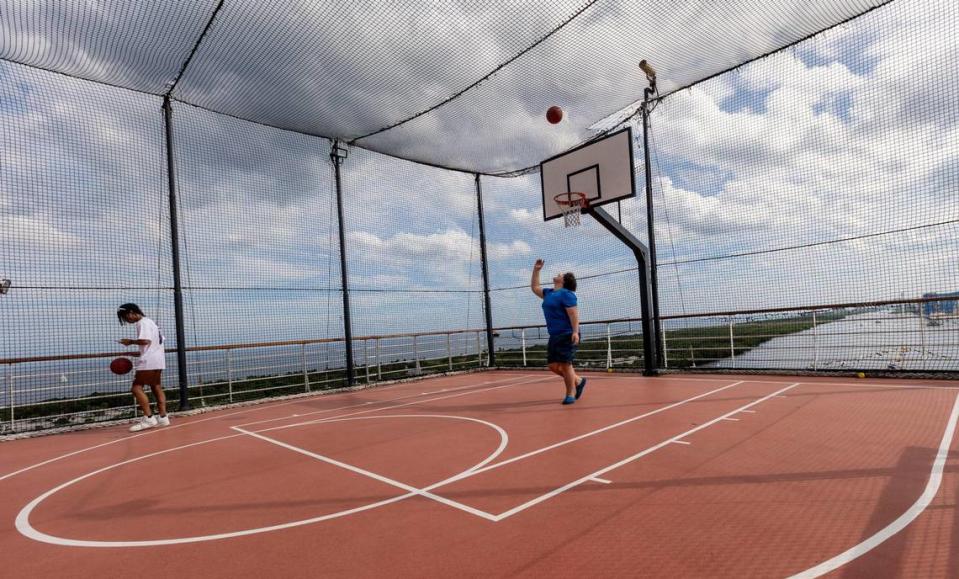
(49, 391)
(874, 336)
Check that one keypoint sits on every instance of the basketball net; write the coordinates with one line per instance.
(571, 205)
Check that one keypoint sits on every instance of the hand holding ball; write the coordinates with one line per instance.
(121, 365)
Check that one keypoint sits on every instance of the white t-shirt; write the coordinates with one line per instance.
(152, 357)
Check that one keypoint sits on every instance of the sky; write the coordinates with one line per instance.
(854, 133)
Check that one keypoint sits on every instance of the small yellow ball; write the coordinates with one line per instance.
(861, 375)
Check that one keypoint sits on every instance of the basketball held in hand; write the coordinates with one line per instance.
(121, 365)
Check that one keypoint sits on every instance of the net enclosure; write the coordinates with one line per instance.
(307, 195)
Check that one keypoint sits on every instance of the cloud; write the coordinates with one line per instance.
(850, 134)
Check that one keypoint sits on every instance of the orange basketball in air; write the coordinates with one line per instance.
(554, 114)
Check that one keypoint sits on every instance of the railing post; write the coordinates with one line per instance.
(416, 352)
(922, 337)
(229, 373)
(524, 345)
(815, 342)
(449, 350)
(306, 375)
(479, 349)
(665, 351)
(732, 342)
(379, 365)
(10, 400)
(609, 348)
(366, 358)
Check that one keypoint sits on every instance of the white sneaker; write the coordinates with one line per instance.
(163, 421)
(145, 422)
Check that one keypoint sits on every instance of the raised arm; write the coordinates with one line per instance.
(534, 279)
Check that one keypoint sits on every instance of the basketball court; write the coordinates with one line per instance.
(486, 474)
(296, 154)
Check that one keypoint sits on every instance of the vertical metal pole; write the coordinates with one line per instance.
(732, 343)
(815, 343)
(491, 353)
(650, 337)
(229, 372)
(650, 223)
(524, 345)
(449, 350)
(306, 375)
(609, 348)
(338, 155)
(182, 377)
(376, 352)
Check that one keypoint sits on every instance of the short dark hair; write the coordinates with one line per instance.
(125, 309)
(569, 281)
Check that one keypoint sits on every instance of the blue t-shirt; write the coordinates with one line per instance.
(555, 303)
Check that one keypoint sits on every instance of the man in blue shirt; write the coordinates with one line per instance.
(562, 323)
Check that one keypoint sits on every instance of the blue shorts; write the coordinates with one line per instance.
(561, 349)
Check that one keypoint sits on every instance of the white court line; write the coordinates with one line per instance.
(604, 429)
(640, 454)
(680, 442)
(504, 439)
(601, 480)
(124, 439)
(732, 419)
(750, 411)
(932, 488)
(405, 397)
(23, 518)
(471, 473)
(25, 528)
(851, 384)
(320, 420)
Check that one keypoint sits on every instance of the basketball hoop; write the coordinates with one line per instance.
(571, 204)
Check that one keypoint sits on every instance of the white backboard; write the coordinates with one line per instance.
(602, 169)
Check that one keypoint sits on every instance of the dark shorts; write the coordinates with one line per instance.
(561, 349)
(147, 378)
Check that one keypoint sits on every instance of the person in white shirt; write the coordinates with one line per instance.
(149, 365)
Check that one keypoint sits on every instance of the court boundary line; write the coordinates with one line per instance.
(929, 493)
(902, 521)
